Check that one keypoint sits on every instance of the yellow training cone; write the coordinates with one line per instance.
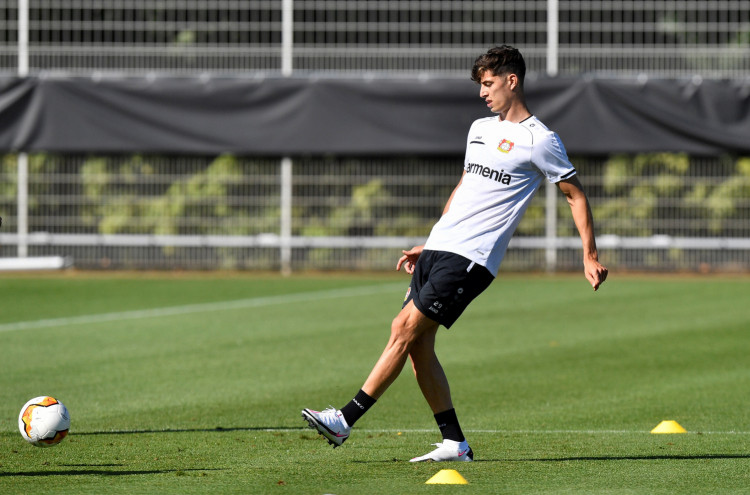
(669, 427)
(447, 477)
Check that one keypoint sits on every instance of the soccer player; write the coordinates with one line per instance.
(507, 157)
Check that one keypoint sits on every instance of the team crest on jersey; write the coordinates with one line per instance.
(505, 146)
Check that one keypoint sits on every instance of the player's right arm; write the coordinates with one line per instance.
(409, 259)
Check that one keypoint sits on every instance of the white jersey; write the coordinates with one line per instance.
(504, 166)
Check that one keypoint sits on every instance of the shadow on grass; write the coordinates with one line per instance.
(591, 458)
(218, 429)
(626, 458)
(101, 472)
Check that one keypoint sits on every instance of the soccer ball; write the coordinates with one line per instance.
(44, 421)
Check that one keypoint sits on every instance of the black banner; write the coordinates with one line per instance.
(360, 116)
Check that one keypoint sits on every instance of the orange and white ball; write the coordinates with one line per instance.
(44, 421)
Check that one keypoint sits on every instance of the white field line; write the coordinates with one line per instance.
(255, 302)
(555, 432)
(434, 430)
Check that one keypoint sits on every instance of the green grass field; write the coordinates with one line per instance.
(194, 384)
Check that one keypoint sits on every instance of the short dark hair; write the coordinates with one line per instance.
(499, 60)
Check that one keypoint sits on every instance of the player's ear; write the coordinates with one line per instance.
(512, 81)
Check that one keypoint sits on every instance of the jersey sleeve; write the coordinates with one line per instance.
(550, 157)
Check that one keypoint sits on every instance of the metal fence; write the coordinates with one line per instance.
(661, 38)
(653, 212)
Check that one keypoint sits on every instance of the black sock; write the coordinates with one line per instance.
(449, 427)
(357, 407)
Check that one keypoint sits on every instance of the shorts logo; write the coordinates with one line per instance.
(408, 291)
(505, 146)
(436, 307)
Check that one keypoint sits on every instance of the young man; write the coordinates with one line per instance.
(507, 157)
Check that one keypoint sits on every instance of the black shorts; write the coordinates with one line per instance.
(443, 285)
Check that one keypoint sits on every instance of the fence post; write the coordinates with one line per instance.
(286, 216)
(550, 223)
(23, 205)
(22, 160)
(287, 37)
(550, 227)
(287, 67)
(23, 38)
(553, 30)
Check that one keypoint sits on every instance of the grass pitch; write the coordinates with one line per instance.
(194, 383)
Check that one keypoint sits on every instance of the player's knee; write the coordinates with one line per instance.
(399, 328)
(402, 332)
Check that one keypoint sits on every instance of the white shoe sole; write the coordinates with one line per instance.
(467, 457)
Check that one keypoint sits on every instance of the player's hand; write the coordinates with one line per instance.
(409, 259)
(595, 272)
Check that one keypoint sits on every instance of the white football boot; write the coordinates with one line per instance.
(449, 450)
(330, 423)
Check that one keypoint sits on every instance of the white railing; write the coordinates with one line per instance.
(303, 36)
(666, 212)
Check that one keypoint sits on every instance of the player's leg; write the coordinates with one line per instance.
(429, 373)
(406, 328)
(434, 386)
(453, 284)
(442, 286)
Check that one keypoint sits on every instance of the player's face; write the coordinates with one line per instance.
(496, 91)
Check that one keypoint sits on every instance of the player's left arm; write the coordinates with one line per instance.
(595, 272)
